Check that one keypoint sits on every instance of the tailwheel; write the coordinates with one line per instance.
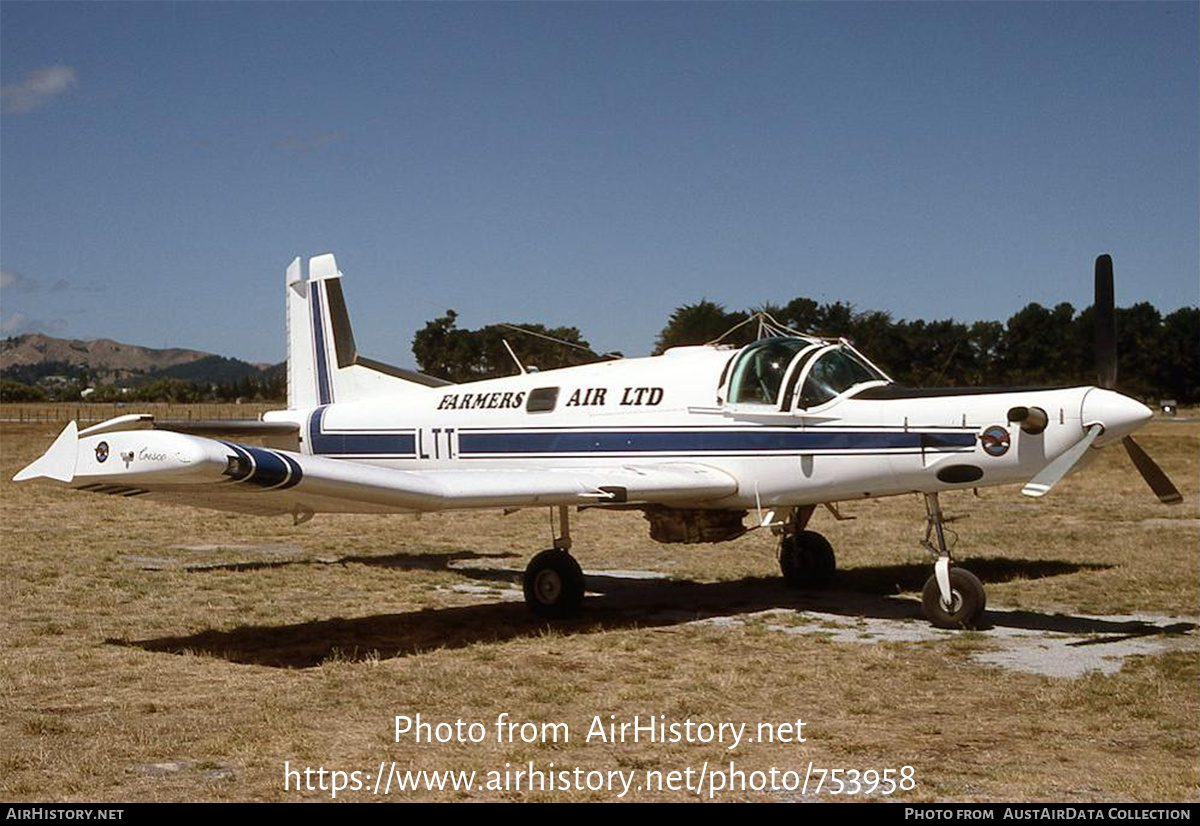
(806, 560)
(554, 584)
(966, 603)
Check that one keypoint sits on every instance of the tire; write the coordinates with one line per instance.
(554, 584)
(807, 560)
(969, 601)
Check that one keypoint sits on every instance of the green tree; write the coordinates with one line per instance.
(883, 341)
(1040, 345)
(801, 314)
(985, 342)
(1178, 369)
(1139, 348)
(176, 391)
(701, 323)
(834, 320)
(16, 391)
(443, 350)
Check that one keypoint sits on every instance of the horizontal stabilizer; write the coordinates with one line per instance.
(130, 421)
(227, 428)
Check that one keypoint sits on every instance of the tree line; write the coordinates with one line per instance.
(1159, 356)
(445, 351)
(269, 387)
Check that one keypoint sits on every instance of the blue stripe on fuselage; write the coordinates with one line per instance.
(403, 444)
(550, 443)
(702, 441)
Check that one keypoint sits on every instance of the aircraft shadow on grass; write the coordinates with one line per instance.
(619, 602)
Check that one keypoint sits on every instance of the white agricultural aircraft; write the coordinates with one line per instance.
(698, 439)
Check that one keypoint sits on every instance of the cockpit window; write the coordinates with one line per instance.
(821, 369)
(761, 368)
(833, 373)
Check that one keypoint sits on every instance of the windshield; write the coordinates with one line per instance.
(833, 373)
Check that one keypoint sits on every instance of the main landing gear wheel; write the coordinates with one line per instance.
(554, 584)
(967, 600)
(806, 560)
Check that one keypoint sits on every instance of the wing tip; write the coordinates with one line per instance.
(58, 462)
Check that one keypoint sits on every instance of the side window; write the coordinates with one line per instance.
(760, 370)
(542, 400)
(817, 387)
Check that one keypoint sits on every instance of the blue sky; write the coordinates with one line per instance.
(594, 165)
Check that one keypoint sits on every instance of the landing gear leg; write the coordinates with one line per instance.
(952, 597)
(806, 558)
(553, 579)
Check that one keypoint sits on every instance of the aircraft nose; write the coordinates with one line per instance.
(1119, 414)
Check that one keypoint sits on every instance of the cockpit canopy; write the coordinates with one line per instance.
(768, 373)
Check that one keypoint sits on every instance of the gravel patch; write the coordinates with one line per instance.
(1102, 644)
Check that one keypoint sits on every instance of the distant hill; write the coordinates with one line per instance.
(33, 357)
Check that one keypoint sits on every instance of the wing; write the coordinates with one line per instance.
(193, 470)
(229, 428)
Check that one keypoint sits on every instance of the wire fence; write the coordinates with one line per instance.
(91, 413)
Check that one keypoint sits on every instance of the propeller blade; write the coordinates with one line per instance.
(1166, 492)
(1104, 316)
(1040, 485)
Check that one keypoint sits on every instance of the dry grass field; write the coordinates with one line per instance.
(173, 654)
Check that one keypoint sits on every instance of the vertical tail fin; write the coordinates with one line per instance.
(323, 363)
(309, 367)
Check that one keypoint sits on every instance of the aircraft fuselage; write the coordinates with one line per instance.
(669, 409)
